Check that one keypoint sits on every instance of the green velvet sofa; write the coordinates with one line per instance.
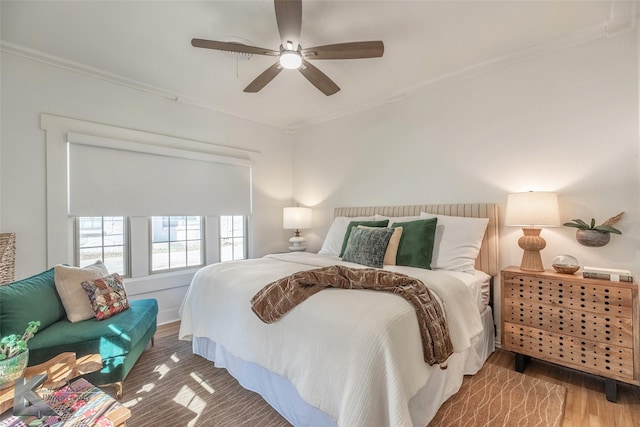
(119, 340)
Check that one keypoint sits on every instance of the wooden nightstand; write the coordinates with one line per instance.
(586, 324)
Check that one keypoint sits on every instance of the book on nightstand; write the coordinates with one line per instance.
(613, 274)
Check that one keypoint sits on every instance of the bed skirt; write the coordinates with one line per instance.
(284, 398)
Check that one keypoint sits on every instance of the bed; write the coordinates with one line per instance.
(353, 357)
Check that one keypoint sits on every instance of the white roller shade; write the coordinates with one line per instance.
(113, 177)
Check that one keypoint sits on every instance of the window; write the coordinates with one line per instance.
(233, 238)
(102, 238)
(176, 242)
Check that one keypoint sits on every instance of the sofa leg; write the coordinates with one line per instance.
(153, 340)
(118, 386)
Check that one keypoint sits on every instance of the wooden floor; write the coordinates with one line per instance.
(586, 405)
(167, 329)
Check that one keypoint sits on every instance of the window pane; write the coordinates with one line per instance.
(194, 255)
(159, 256)
(226, 250)
(177, 242)
(193, 228)
(89, 232)
(113, 231)
(89, 256)
(193, 234)
(177, 228)
(114, 259)
(177, 254)
(160, 229)
(102, 238)
(193, 222)
(238, 226)
(226, 226)
(232, 237)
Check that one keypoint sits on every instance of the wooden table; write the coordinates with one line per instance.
(60, 370)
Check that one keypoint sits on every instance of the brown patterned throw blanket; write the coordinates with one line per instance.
(277, 298)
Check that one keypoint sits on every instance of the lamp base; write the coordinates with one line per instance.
(532, 244)
(297, 244)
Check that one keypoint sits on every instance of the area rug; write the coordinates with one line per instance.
(496, 397)
(171, 386)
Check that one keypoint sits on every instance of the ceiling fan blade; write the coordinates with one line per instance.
(318, 79)
(353, 50)
(289, 19)
(264, 78)
(233, 47)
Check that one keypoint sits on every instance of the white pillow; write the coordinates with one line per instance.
(332, 244)
(392, 219)
(68, 282)
(457, 242)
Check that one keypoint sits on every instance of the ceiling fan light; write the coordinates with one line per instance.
(290, 59)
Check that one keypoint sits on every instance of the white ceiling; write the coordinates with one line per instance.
(147, 44)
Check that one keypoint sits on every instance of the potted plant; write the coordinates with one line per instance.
(14, 354)
(590, 234)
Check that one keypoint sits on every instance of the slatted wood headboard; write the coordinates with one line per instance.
(487, 260)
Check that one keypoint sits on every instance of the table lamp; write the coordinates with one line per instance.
(532, 210)
(295, 218)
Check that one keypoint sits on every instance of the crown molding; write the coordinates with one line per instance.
(610, 28)
(78, 68)
(624, 16)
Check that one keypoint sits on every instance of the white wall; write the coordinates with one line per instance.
(31, 88)
(565, 121)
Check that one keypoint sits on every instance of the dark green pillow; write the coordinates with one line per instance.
(33, 298)
(352, 224)
(367, 246)
(416, 244)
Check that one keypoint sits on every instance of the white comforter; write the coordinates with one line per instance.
(356, 355)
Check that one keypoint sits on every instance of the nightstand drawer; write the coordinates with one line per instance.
(586, 355)
(608, 329)
(572, 293)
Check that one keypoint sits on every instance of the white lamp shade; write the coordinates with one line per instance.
(533, 208)
(296, 218)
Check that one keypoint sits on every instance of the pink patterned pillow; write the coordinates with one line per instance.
(107, 295)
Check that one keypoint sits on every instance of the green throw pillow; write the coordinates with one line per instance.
(416, 244)
(367, 246)
(352, 224)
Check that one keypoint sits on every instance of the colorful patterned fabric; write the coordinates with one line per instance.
(107, 295)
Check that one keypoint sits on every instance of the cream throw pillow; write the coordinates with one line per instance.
(392, 247)
(69, 286)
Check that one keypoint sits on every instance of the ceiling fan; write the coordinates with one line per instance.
(292, 55)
